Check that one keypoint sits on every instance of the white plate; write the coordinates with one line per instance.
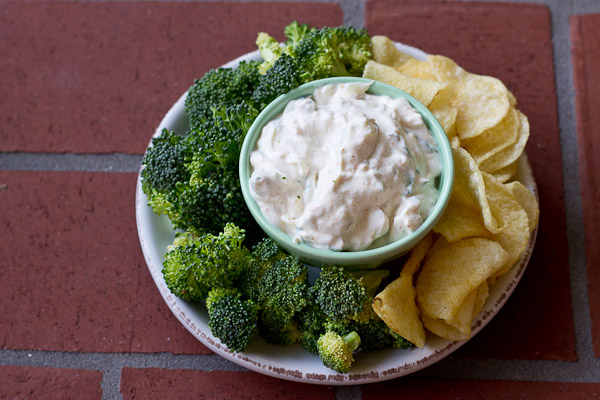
(293, 362)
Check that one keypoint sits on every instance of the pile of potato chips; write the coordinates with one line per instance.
(489, 219)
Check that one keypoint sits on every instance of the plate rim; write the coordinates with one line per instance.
(446, 347)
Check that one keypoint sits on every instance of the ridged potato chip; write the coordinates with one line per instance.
(527, 200)
(495, 139)
(482, 101)
(396, 304)
(459, 328)
(442, 109)
(385, 52)
(467, 210)
(510, 218)
(422, 89)
(506, 173)
(453, 272)
(417, 69)
(511, 153)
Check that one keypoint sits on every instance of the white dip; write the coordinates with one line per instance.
(345, 170)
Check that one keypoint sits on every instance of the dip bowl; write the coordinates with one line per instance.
(363, 259)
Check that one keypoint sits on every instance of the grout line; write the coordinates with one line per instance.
(449, 368)
(116, 162)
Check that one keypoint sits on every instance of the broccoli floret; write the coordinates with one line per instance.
(295, 32)
(278, 283)
(164, 170)
(339, 295)
(217, 141)
(269, 50)
(356, 49)
(282, 77)
(336, 351)
(231, 319)
(282, 292)
(327, 52)
(219, 88)
(195, 264)
(311, 322)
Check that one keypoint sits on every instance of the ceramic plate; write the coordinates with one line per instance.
(293, 362)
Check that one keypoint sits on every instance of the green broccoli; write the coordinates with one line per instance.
(282, 291)
(295, 32)
(336, 351)
(327, 52)
(195, 264)
(217, 141)
(270, 50)
(165, 171)
(278, 283)
(230, 318)
(219, 88)
(339, 295)
(282, 77)
(311, 322)
(355, 48)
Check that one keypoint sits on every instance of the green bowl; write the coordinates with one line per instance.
(364, 259)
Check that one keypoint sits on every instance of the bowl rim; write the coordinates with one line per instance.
(368, 257)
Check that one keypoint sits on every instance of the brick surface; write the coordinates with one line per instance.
(49, 383)
(471, 389)
(97, 77)
(585, 38)
(512, 42)
(185, 384)
(72, 270)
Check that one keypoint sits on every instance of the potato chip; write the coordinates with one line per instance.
(417, 254)
(421, 89)
(482, 101)
(442, 110)
(450, 275)
(459, 328)
(417, 69)
(506, 173)
(511, 219)
(527, 200)
(385, 52)
(443, 329)
(480, 298)
(495, 139)
(510, 154)
(445, 69)
(464, 315)
(396, 305)
(467, 208)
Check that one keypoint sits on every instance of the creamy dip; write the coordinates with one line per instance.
(345, 170)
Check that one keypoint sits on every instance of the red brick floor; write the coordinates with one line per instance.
(73, 271)
(471, 390)
(97, 77)
(178, 384)
(586, 70)
(49, 383)
(513, 43)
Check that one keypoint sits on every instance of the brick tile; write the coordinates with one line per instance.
(97, 77)
(165, 384)
(512, 42)
(73, 274)
(586, 70)
(471, 389)
(49, 383)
